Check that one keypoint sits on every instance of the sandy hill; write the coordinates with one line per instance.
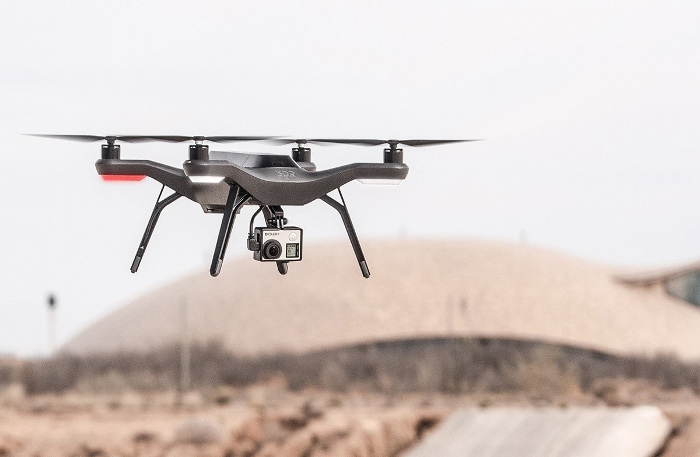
(418, 288)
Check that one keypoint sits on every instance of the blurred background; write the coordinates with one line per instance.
(588, 112)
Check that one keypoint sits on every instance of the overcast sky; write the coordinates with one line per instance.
(590, 112)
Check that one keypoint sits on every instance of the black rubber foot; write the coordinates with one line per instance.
(216, 269)
(135, 264)
(365, 269)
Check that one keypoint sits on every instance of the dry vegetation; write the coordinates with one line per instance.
(454, 366)
(369, 400)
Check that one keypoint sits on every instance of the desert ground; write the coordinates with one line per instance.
(271, 420)
(259, 421)
(376, 401)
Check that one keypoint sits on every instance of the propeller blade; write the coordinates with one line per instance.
(93, 138)
(164, 138)
(229, 139)
(419, 143)
(357, 142)
(283, 141)
(82, 138)
(151, 138)
(375, 142)
(214, 139)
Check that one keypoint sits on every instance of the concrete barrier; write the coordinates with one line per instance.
(575, 432)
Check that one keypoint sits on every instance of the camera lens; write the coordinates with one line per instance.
(272, 249)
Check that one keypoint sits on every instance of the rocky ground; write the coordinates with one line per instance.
(282, 424)
(268, 421)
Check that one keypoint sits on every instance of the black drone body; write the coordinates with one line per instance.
(224, 182)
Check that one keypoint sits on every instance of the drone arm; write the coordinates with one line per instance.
(157, 209)
(171, 177)
(345, 215)
(237, 197)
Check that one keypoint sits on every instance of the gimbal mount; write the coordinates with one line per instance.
(274, 217)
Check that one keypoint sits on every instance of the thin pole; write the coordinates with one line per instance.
(51, 301)
(465, 317)
(448, 318)
(452, 370)
(185, 378)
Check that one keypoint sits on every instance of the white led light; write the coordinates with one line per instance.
(381, 182)
(206, 179)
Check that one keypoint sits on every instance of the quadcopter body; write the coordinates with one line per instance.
(224, 182)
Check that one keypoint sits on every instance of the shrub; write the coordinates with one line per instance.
(425, 365)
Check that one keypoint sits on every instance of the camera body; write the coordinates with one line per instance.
(277, 244)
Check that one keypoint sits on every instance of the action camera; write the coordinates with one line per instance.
(278, 245)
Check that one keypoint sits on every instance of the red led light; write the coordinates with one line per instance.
(123, 177)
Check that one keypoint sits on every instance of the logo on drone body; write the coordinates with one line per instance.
(286, 174)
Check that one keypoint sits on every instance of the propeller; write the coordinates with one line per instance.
(391, 155)
(214, 139)
(392, 143)
(230, 139)
(364, 142)
(93, 138)
(301, 153)
(150, 138)
(299, 141)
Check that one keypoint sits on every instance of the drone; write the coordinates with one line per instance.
(224, 182)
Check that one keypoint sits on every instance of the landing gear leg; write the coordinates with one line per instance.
(157, 209)
(236, 199)
(343, 210)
